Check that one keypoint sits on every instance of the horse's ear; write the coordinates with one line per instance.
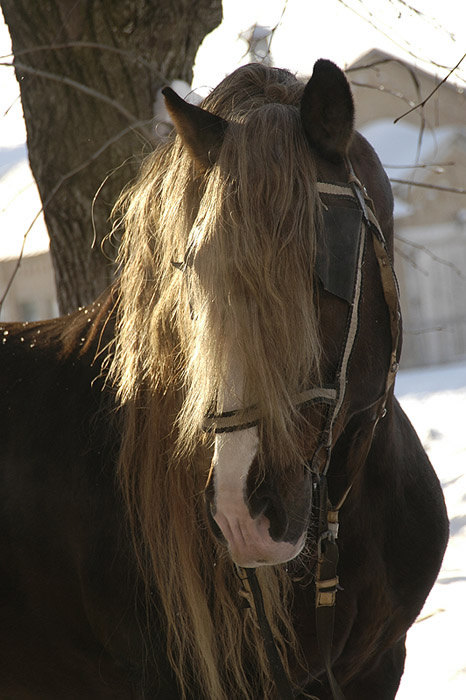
(327, 110)
(201, 131)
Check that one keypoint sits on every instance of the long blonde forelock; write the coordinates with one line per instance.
(248, 230)
(251, 275)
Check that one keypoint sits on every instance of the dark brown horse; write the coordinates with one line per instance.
(218, 411)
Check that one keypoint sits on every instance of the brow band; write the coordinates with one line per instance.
(229, 421)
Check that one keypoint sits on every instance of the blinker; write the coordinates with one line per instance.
(337, 250)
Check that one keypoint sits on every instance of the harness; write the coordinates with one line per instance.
(340, 269)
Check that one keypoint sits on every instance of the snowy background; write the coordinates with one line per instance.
(435, 401)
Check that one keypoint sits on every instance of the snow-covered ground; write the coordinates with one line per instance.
(435, 401)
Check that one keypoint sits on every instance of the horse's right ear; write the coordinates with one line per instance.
(201, 131)
(327, 110)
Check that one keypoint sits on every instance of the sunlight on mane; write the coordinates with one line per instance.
(248, 226)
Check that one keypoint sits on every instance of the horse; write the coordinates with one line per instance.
(208, 487)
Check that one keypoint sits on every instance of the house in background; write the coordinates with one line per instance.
(427, 147)
(32, 294)
(430, 224)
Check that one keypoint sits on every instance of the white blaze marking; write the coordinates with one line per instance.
(233, 455)
(248, 538)
(234, 452)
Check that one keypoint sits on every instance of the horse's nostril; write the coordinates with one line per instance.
(278, 518)
(272, 508)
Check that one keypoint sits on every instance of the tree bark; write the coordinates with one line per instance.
(89, 72)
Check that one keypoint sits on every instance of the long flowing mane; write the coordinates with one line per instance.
(249, 225)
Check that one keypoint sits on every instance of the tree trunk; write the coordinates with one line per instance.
(89, 73)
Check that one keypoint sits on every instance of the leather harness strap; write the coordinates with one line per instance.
(228, 421)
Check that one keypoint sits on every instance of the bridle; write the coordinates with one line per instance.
(326, 578)
(332, 396)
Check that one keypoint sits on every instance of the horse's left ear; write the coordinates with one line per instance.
(201, 131)
(327, 110)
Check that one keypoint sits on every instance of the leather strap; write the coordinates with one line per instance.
(230, 421)
(326, 588)
(282, 683)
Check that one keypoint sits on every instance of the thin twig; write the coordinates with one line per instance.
(433, 256)
(400, 253)
(442, 188)
(417, 86)
(418, 165)
(388, 36)
(424, 102)
(274, 28)
(423, 331)
(429, 19)
(374, 64)
(382, 88)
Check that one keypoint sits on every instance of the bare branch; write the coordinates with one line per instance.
(274, 28)
(382, 88)
(401, 253)
(438, 167)
(424, 102)
(392, 59)
(388, 36)
(455, 190)
(433, 256)
(417, 86)
(423, 331)
(422, 15)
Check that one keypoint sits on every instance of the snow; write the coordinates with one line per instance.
(435, 401)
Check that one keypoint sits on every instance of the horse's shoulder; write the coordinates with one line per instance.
(80, 338)
(52, 376)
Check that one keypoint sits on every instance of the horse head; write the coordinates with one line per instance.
(267, 334)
